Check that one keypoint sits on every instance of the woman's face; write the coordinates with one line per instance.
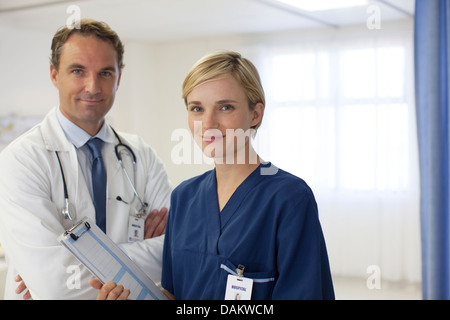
(220, 118)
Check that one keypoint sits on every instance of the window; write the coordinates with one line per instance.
(340, 114)
(341, 119)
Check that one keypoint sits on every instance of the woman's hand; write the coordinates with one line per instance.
(109, 290)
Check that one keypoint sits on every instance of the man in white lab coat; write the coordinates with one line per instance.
(86, 68)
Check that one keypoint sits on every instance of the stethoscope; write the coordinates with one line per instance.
(119, 148)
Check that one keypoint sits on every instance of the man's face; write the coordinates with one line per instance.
(87, 80)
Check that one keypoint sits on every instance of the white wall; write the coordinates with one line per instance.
(24, 79)
(148, 101)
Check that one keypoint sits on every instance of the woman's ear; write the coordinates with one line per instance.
(258, 113)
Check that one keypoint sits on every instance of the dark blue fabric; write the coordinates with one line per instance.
(432, 31)
(270, 225)
(98, 182)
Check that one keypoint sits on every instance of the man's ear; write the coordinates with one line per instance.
(54, 75)
(118, 79)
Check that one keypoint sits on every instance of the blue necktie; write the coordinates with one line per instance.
(98, 182)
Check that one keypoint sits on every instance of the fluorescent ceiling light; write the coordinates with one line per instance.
(320, 5)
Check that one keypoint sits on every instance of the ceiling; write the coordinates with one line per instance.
(169, 20)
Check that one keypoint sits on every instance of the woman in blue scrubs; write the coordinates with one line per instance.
(245, 215)
(245, 222)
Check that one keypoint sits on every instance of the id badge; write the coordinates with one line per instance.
(135, 229)
(238, 288)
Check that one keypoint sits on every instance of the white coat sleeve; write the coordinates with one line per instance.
(29, 226)
(148, 253)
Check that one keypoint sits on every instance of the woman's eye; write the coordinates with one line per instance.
(226, 107)
(196, 109)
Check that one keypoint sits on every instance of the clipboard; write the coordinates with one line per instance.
(106, 261)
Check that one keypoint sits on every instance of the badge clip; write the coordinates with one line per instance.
(240, 271)
(238, 287)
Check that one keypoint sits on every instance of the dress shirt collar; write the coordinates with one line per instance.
(77, 136)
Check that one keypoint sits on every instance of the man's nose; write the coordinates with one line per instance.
(92, 84)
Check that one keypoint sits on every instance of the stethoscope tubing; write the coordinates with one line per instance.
(66, 211)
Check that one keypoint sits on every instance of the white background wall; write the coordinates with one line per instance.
(149, 100)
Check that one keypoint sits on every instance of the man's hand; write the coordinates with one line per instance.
(155, 224)
(22, 287)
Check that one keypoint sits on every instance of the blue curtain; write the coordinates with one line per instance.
(432, 31)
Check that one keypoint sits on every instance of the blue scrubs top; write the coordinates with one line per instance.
(270, 225)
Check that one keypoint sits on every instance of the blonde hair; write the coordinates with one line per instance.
(223, 63)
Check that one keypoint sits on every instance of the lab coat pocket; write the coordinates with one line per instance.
(263, 282)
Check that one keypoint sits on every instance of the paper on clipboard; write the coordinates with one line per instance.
(92, 247)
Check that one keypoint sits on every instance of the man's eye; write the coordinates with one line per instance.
(106, 74)
(77, 71)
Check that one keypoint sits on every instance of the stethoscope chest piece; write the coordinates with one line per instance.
(68, 211)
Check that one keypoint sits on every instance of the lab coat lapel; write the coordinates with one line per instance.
(115, 181)
(56, 141)
(116, 186)
(53, 135)
(78, 190)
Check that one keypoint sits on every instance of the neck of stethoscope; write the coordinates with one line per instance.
(66, 210)
(117, 136)
(144, 205)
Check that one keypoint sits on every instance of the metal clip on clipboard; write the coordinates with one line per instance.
(76, 236)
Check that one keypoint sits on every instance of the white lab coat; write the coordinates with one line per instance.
(32, 197)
